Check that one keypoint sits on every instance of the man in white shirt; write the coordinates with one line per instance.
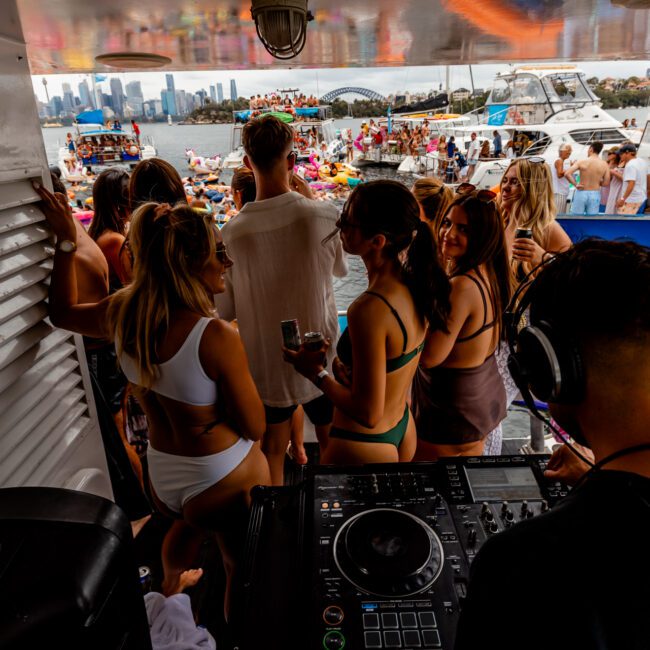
(635, 181)
(472, 156)
(281, 271)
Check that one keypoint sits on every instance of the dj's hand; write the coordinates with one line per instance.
(565, 466)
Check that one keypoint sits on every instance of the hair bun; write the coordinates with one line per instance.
(162, 211)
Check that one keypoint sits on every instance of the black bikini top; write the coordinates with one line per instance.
(344, 346)
(486, 326)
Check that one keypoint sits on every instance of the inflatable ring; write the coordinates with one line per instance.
(85, 151)
(132, 149)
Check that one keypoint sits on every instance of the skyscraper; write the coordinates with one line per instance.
(219, 92)
(233, 90)
(213, 94)
(85, 96)
(170, 82)
(168, 99)
(117, 95)
(68, 99)
(134, 97)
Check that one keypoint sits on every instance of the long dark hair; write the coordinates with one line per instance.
(155, 180)
(486, 246)
(110, 203)
(388, 208)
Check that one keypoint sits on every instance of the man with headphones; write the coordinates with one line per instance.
(578, 576)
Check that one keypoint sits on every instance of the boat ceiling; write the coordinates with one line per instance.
(64, 36)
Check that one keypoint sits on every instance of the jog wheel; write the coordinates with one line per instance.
(389, 553)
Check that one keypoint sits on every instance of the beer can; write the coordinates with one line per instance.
(523, 233)
(145, 579)
(291, 333)
(313, 340)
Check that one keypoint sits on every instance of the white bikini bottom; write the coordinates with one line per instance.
(176, 479)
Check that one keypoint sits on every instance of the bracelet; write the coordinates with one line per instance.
(547, 259)
(318, 380)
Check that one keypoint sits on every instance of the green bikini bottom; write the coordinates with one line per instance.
(392, 437)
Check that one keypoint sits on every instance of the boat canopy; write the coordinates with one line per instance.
(90, 117)
(528, 97)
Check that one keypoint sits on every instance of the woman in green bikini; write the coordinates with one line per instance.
(379, 351)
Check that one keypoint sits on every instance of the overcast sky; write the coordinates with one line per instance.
(382, 80)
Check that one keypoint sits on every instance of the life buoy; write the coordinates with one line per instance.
(132, 149)
(85, 151)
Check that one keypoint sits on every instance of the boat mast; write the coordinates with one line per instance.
(471, 79)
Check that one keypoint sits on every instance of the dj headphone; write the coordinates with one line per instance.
(543, 361)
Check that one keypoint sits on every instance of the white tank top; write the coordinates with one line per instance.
(560, 185)
(182, 377)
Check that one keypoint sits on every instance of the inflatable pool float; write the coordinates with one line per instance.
(323, 186)
(84, 216)
(344, 174)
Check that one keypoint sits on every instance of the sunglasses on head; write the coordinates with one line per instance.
(482, 195)
(535, 160)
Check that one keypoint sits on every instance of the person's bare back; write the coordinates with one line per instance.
(594, 173)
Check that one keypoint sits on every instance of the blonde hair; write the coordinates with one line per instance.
(434, 197)
(535, 208)
(170, 247)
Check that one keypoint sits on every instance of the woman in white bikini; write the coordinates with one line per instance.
(191, 372)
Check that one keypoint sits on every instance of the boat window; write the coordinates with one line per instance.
(526, 89)
(500, 92)
(539, 145)
(568, 88)
(606, 136)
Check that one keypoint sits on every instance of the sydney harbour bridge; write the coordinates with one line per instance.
(350, 90)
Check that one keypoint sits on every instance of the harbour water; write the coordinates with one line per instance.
(211, 139)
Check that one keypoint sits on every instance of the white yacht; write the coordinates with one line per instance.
(545, 106)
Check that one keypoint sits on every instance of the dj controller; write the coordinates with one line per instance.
(378, 556)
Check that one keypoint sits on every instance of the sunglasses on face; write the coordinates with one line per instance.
(482, 195)
(222, 254)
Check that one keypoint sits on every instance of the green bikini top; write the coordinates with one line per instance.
(344, 346)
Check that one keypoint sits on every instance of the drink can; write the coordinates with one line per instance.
(291, 334)
(145, 579)
(523, 233)
(313, 340)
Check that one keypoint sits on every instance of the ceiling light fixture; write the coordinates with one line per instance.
(133, 60)
(281, 25)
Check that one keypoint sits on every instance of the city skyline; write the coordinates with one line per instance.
(320, 81)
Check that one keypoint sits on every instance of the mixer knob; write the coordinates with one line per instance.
(374, 488)
(492, 527)
(524, 508)
(530, 513)
(333, 615)
(509, 516)
(485, 508)
(504, 507)
(489, 517)
(471, 537)
(437, 499)
(333, 640)
(544, 506)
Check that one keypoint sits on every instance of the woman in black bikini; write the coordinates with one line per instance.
(378, 353)
(458, 395)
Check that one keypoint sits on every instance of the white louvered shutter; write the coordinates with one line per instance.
(48, 429)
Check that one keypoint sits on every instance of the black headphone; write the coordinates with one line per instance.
(543, 362)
